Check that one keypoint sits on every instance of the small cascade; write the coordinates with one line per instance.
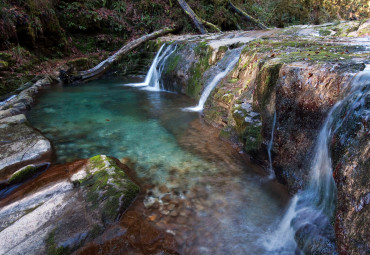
(308, 218)
(152, 78)
(228, 61)
(269, 147)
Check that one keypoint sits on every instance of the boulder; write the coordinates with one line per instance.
(65, 207)
(20, 145)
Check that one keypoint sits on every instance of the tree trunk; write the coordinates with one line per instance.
(197, 21)
(69, 76)
(246, 16)
(211, 25)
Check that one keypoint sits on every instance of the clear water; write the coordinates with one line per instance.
(217, 201)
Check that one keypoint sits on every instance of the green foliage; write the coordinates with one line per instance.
(119, 6)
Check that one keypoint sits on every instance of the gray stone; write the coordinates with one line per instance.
(20, 145)
(60, 215)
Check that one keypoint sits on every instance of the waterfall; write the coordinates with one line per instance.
(230, 59)
(269, 147)
(152, 78)
(308, 218)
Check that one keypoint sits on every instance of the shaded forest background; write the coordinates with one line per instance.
(33, 32)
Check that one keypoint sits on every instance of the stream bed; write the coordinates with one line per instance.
(200, 189)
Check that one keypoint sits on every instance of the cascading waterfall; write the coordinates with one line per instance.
(230, 59)
(152, 78)
(307, 220)
(269, 147)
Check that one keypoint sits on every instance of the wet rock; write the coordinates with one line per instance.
(350, 151)
(48, 219)
(20, 145)
(26, 173)
(24, 100)
(133, 235)
(170, 207)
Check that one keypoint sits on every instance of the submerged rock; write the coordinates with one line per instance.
(58, 216)
(20, 145)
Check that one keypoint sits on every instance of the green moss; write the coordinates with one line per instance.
(5, 56)
(97, 162)
(172, 62)
(297, 50)
(215, 114)
(52, 248)
(324, 32)
(96, 231)
(252, 138)
(113, 187)
(266, 82)
(23, 174)
(3, 65)
(195, 83)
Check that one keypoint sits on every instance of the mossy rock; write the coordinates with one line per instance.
(5, 56)
(4, 65)
(172, 63)
(266, 83)
(106, 181)
(252, 138)
(23, 174)
(195, 84)
(105, 192)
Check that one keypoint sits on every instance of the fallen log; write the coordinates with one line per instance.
(216, 28)
(246, 16)
(196, 20)
(71, 76)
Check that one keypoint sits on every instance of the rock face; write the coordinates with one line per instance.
(20, 145)
(298, 81)
(350, 150)
(65, 207)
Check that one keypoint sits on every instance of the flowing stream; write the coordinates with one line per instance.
(269, 148)
(222, 68)
(153, 77)
(308, 218)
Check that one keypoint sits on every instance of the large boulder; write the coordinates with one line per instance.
(20, 145)
(65, 207)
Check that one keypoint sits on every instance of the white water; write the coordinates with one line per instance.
(269, 147)
(152, 78)
(7, 100)
(313, 208)
(231, 58)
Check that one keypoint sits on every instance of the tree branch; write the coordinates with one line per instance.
(70, 77)
(246, 16)
(197, 21)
